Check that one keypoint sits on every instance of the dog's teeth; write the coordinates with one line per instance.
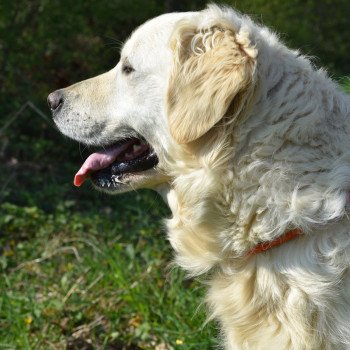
(116, 179)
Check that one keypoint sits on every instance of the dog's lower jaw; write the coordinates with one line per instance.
(149, 179)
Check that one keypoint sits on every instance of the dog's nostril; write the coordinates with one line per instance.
(55, 99)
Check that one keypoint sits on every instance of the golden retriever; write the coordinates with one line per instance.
(249, 144)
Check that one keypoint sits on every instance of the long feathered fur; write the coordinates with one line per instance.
(277, 159)
(252, 141)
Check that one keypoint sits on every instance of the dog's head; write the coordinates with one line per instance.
(179, 75)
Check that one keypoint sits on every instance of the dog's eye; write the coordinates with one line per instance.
(127, 69)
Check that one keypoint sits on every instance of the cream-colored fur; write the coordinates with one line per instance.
(214, 56)
(252, 141)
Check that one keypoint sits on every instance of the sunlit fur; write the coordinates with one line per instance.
(216, 56)
(252, 141)
(283, 162)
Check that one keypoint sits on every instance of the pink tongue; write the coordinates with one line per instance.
(99, 160)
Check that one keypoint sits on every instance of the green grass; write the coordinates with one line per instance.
(346, 84)
(75, 278)
(82, 270)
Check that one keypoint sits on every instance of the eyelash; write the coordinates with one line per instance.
(127, 69)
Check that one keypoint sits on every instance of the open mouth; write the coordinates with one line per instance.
(110, 167)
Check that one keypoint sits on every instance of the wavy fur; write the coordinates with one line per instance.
(284, 164)
(252, 141)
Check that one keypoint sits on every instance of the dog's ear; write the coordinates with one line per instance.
(213, 69)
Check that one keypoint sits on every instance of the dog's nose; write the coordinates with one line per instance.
(55, 100)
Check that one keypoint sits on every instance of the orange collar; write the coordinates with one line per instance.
(262, 247)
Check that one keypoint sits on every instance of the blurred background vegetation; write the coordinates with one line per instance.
(80, 270)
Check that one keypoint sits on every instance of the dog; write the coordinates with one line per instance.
(249, 145)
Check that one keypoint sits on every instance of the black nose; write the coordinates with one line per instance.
(55, 100)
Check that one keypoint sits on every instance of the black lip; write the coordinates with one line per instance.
(108, 178)
(145, 162)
